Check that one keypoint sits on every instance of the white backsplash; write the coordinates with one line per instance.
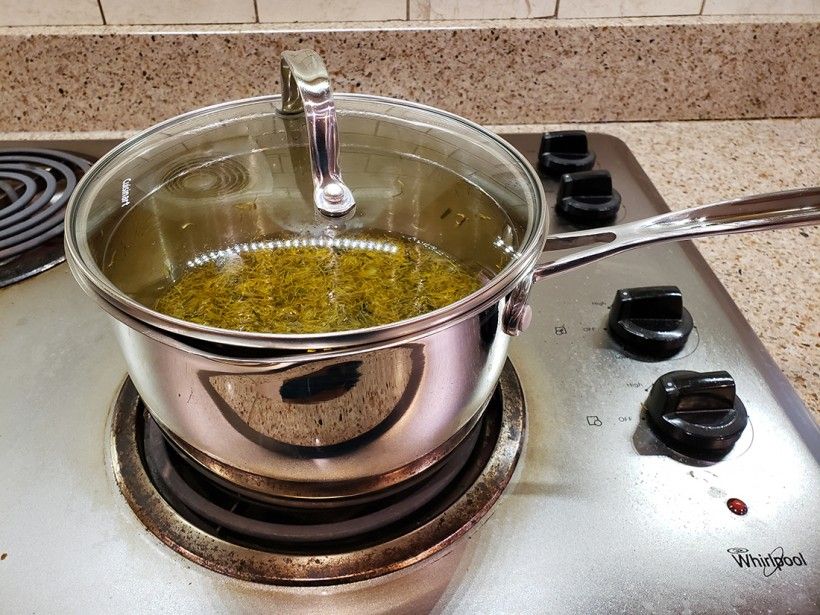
(172, 12)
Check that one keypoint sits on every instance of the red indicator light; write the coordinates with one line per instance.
(737, 506)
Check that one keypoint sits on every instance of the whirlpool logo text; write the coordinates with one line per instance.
(775, 561)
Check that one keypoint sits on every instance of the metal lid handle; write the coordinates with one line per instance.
(306, 89)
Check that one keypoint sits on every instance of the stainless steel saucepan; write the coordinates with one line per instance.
(344, 413)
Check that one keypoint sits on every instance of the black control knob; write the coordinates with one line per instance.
(587, 198)
(696, 413)
(564, 151)
(650, 321)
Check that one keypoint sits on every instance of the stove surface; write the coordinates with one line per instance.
(599, 516)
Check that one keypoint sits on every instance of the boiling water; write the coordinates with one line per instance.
(195, 225)
(317, 285)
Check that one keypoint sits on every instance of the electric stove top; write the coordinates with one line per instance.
(668, 466)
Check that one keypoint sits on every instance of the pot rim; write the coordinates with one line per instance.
(254, 358)
(93, 280)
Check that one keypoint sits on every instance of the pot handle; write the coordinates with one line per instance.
(306, 89)
(752, 213)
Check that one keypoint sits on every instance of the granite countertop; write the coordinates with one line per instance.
(773, 276)
(519, 71)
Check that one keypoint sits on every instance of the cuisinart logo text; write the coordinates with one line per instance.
(125, 195)
(770, 563)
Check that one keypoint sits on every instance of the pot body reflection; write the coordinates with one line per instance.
(323, 427)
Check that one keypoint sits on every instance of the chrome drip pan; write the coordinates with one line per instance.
(277, 545)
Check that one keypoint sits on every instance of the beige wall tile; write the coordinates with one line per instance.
(49, 12)
(480, 9)
(157, 12)
(760, 7)
(626, 8)
(272, 11)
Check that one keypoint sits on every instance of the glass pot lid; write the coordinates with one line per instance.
(240, 181)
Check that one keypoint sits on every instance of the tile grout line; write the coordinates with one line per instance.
(555, 12)
(102, 12)
(702, 6)
(255, 12)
